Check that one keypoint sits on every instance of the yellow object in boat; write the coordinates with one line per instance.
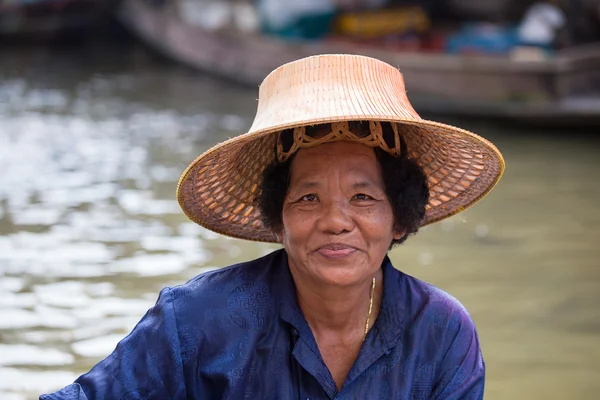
(379, 23)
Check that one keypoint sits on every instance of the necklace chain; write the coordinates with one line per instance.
(370, 309)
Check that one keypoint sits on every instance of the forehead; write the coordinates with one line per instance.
(336, 159)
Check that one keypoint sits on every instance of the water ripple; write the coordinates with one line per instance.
(23, 354)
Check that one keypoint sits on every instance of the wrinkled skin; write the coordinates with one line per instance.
(337, 219)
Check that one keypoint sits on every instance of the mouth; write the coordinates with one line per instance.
(336, 250)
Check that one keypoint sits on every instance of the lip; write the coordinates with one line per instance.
(336, 250)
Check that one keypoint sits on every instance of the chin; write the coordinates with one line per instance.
(340, 274)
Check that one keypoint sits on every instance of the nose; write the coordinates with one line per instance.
(335, 218)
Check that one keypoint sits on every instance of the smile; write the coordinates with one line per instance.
(336, 250)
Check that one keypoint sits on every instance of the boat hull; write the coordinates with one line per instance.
(562, 89)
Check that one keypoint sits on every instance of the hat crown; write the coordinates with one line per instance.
(328, 88)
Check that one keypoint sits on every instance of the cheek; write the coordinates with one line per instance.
(295, 227)
(379, 223)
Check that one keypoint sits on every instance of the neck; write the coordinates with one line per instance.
(336, 309)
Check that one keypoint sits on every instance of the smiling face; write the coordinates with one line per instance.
(337, 219)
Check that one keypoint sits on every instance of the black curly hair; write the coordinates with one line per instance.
(405, 186)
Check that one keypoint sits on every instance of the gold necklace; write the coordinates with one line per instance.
(370, 309)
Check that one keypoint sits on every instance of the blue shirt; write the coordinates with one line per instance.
(238, 333)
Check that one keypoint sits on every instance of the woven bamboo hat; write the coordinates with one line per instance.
(218, 189)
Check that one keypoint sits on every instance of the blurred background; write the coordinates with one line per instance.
(104, 103)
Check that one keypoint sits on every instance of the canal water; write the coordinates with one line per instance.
(92, 142)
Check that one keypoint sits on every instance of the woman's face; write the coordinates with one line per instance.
(337, 220)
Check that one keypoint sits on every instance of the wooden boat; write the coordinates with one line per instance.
(46, 19)
(564, 89)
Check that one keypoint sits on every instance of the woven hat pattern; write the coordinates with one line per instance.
(218, 189)
(219, 192)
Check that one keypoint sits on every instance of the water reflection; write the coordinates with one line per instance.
(91, 148)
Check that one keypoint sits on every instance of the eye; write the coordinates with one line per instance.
(309, 197)
(362, 196)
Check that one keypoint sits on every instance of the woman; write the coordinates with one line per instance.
(337, 167)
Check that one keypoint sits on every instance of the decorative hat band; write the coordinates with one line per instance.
(339, 131)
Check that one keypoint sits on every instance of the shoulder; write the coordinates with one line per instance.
(438, 325)
(222, 308)
(451, 342)
(217, 308)
(431, 306)
(220, 286)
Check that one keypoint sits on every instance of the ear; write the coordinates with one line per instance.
(277, 234)
(399, 234)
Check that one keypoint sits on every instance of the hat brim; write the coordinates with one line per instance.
(218, 189)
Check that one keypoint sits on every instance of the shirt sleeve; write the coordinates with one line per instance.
(146, 364)
(462, 375)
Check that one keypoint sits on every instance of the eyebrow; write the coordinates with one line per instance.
(308, 185)
(363, 185)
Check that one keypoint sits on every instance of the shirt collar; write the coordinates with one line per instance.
(289, 311)
(390, 320)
